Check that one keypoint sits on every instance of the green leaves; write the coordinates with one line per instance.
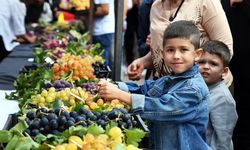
(16, 140)
(30, 83)
(12, 143)
(95, 130)
(134, 136)
(19, 128)
(39, 55)
(74, 130)
(57, 103)
(5, 136)
(26, 143)
(75, 34)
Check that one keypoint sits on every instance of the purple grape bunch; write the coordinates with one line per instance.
(59, 85)
(90, 86)
(101, 71)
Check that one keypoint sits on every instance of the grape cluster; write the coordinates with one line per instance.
(54, 121)
(101, 71)
(123, 119)
(90, 86)
(54, 43)
(59, 85)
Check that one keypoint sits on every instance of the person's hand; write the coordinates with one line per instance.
(108, 90)
(233, 2)
(135, 69)
(106, 82)
(26, 38)
(228, 78)
(31, 38)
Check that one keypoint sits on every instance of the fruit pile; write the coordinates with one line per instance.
(75, 67)
(58, 120)
(59, 103)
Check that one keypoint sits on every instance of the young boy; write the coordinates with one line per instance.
(177, 104)
(213, 65)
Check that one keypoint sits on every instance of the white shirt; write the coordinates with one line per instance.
(12, 15)
(46, 15)
(105, 24)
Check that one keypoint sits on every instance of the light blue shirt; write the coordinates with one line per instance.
(105, 24)
(12, 15)
(222, 117)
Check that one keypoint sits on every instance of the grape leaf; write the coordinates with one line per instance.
(5, 136)
(26, 143)
(54, 139)
(57, 103)
(79, 130)
(12, 143)
(134, 136)
(95, 130)
(75, 34)
(76, 107)
(40, 138)
(19, 127)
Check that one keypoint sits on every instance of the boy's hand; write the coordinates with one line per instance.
(111, 91)
(108, 90)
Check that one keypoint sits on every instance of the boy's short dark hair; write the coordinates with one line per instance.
(183, 29)
(218, 48)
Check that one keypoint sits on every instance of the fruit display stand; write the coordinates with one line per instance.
(59, 106)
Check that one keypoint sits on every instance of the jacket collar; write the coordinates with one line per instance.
(187, 74)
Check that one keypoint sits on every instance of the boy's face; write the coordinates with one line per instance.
(179, 54)
(211, 68)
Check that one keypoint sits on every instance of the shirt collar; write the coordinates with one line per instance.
(187, 74)
(215, 84)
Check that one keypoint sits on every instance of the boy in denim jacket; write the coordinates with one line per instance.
(213, 65)
(177, 104)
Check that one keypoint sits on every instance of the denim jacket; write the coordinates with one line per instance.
(177, 106)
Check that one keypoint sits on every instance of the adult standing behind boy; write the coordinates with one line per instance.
(104, 26)
(176, 104)
(213, 65)
(208, 16)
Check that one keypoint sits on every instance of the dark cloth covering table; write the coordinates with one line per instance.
(11, 65)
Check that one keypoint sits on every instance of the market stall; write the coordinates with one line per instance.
(55, 100)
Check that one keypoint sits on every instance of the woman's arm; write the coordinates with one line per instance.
(215, 23)
(102, 10)
(136, 68)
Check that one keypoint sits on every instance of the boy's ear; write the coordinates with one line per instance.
(225, 71)
(198, 54)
